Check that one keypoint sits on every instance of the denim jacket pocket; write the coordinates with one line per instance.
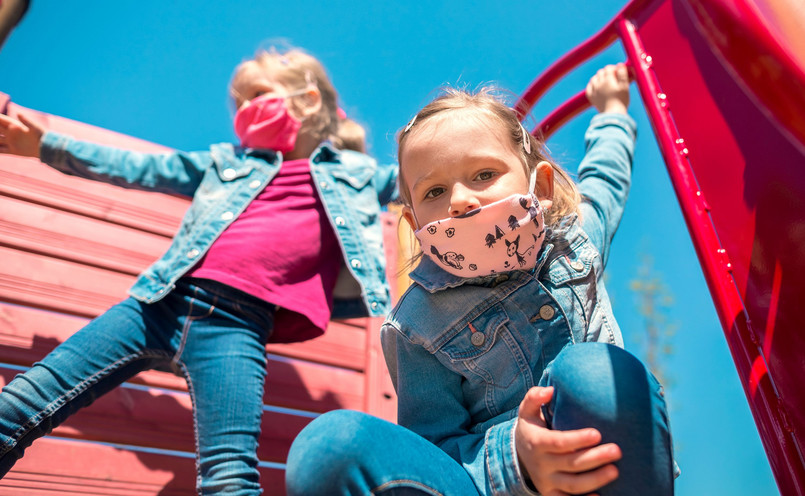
(488, 356)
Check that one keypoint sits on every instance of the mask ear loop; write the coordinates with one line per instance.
(526, 140)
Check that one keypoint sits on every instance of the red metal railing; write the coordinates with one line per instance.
(776, 433)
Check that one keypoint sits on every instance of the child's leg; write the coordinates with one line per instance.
(223, 359)
(109, 350)
(346, 452)
(605, 387)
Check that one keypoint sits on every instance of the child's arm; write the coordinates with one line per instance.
(605, 172)
(172, 172)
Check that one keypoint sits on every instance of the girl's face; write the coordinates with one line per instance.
(251, 82)
(455, 163)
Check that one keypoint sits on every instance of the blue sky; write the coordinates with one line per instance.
(159, 71)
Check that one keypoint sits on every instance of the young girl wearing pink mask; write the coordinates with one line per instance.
(506, 357)
(232, 279)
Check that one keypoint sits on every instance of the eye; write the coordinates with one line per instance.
(434, 192)
(485, 176)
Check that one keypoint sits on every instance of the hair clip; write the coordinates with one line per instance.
(410, 125)
(341, 113)
(526, 140)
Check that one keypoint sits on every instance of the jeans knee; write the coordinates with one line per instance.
(600, 385)
(325, 451)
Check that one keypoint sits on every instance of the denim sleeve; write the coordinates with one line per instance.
(385, 181)
(605, 177)
(429, 397)
(170, 172)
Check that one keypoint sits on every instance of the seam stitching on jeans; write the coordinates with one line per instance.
(420, 485)
(59, 402)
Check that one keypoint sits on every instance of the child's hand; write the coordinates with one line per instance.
(560, 463)
(20, 137)
(608, 90)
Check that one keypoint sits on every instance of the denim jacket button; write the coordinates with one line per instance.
(578, 266)
(339, 221)
(374, 305)
(227, 216)
(356, 264)
(254, 184)
(546, 312)
(229, 173)
(192, 253)
(478, 338)
(324, 185)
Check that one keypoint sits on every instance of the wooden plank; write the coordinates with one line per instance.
(30, 180)
(64, 467)
(55, 233)
(52, 284)
(163, 419)
(28, 334)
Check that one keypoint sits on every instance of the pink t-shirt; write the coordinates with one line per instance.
(281, 249)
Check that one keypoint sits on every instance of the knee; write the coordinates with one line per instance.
(325, 451)
(599, 385)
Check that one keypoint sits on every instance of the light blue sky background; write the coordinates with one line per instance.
(159, 70)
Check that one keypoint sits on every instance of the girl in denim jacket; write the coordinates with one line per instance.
(504, 352)
(230, 281)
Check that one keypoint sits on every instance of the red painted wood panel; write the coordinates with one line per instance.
(70, 249)
(77, 468)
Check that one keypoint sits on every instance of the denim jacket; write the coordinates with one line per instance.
(463, 394)
(222, 182)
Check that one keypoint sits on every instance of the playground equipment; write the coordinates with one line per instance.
(723, 84)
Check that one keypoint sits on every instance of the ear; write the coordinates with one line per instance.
(545, 184)
(408, 215)
(311, 102)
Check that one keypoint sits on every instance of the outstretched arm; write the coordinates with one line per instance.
(605, 173)
(171, 172)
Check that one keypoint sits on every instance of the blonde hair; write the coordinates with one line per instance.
(296, 69)
(486, 102)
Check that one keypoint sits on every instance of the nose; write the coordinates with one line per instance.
(462, 200)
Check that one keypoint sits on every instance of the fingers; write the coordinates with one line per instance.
(30, 124)
(531, 406)
(586, 482)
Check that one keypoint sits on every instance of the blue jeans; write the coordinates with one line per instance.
(212, 334)
(596, 385)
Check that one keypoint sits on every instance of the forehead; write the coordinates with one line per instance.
(451, 131)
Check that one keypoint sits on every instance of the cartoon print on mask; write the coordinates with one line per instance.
(450, 232)
(512, 248)
(450, 258)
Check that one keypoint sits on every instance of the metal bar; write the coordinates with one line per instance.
(561, 115)
(568, 62)
(779, 443)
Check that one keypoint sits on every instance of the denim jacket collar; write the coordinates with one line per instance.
(432, 278)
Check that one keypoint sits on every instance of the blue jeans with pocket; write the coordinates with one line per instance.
(210, 333)
(595, 385)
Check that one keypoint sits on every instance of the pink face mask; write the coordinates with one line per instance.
(499, 237)
(266, 123)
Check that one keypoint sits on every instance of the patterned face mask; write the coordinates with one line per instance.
(502, 236)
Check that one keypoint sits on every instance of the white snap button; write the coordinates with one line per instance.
(254, 184)
(192, 253)
(356, 263)
(227, 216)
(323, 185)
(339, 221)
(229, 173)
(578, 266)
